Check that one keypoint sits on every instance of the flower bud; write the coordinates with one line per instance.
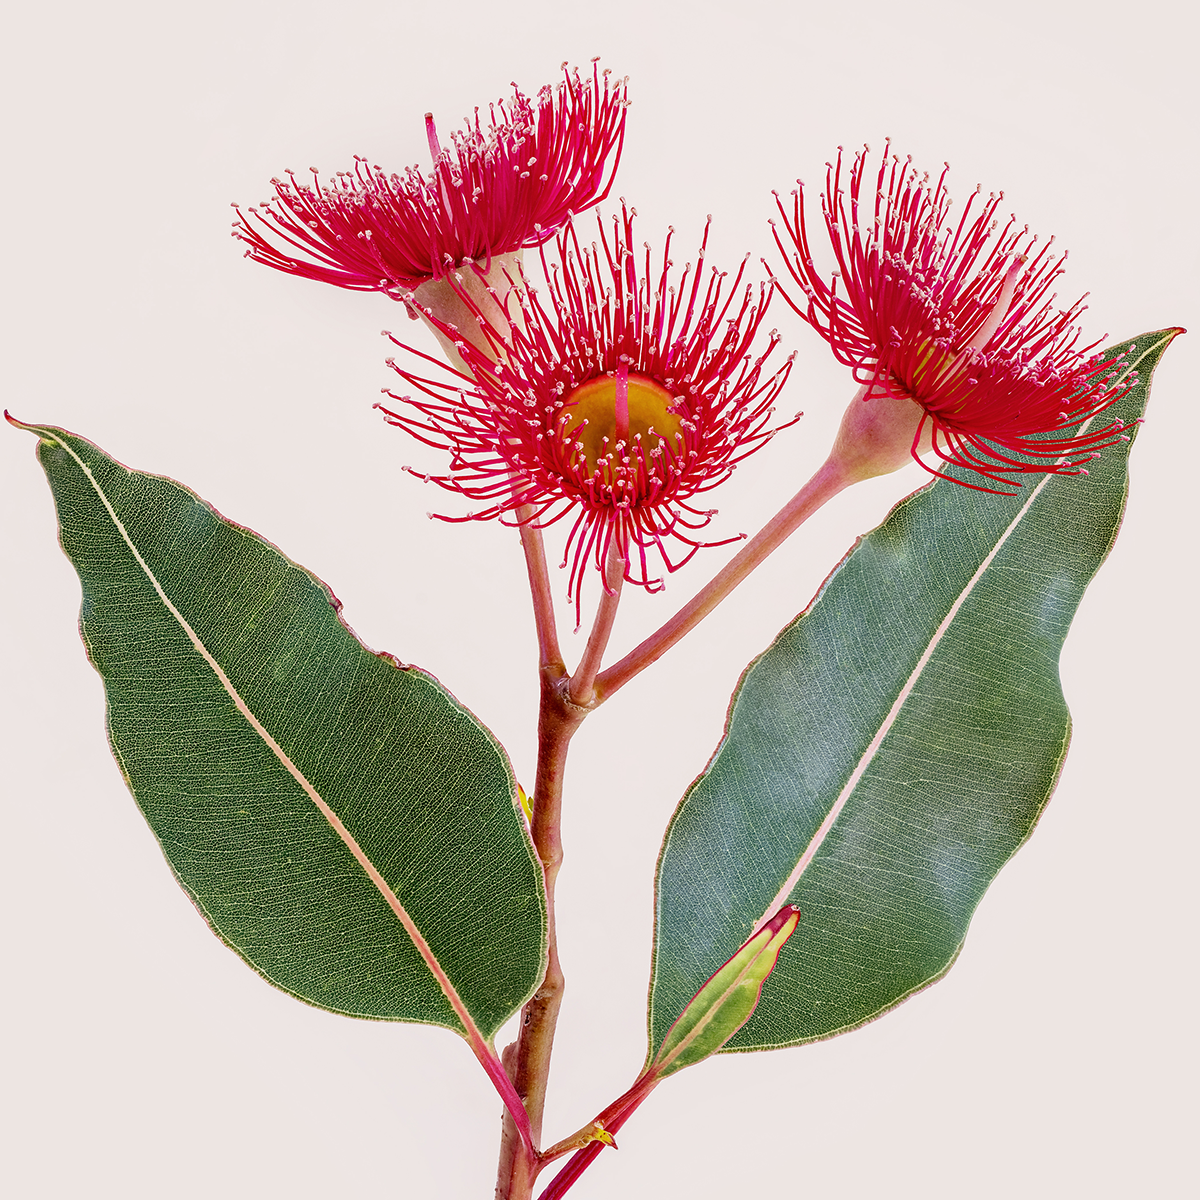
(724, 1004)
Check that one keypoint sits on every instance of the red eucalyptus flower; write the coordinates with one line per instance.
(618, 401)
(954, 316)
(502, 185)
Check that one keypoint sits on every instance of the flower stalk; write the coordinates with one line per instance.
(549, 652)
(565, 702)
(832, 477)
(581, 690)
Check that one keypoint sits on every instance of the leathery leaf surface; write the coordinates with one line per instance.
(340, 820)
(890, 751)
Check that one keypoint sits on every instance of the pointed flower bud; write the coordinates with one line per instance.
(949, 323)
(500, 185)
(724, 1004)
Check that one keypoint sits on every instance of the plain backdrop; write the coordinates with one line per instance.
(144, 1060)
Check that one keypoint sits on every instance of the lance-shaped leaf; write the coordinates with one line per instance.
(890, 751)
(724, 1004)
(339, 820)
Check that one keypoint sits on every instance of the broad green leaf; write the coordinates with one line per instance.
(339, 819)
(889, 752)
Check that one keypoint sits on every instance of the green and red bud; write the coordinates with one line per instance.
(724, 1004)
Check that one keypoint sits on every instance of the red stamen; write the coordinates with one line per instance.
(510, 438)
(621, 404)
(371, 230)
(435, 147)
(955, 317)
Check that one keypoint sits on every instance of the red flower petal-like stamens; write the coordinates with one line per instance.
(618, 402)
(955, 316)
(500, 186)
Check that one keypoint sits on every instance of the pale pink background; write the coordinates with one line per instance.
(143, 1060)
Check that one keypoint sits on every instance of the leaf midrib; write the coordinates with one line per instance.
(872, 749)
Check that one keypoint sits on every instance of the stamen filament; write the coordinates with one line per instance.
(435, 147)
(621, 411)
(995, 318)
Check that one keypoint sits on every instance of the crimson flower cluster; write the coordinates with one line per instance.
(618, 400)
(621, 397)
(955, 316)
(502, 184)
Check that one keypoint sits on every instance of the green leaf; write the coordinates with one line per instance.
(892, 749)
(339, 819)
(724, 1004)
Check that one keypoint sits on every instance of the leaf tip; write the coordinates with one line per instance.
(28, 428)
(789, 914)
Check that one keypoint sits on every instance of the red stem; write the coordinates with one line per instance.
(822, 487)
(528, 1059)
(612, 1118)
(549, 653)
(581, 691)
(564, 704)
(514, 1110)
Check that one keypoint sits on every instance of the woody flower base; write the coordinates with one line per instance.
(355, 834)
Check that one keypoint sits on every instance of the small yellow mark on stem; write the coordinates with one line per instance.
(595, 1132)
(600, 1134)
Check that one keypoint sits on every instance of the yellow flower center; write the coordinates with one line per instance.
(592, 418)
(934, 369)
